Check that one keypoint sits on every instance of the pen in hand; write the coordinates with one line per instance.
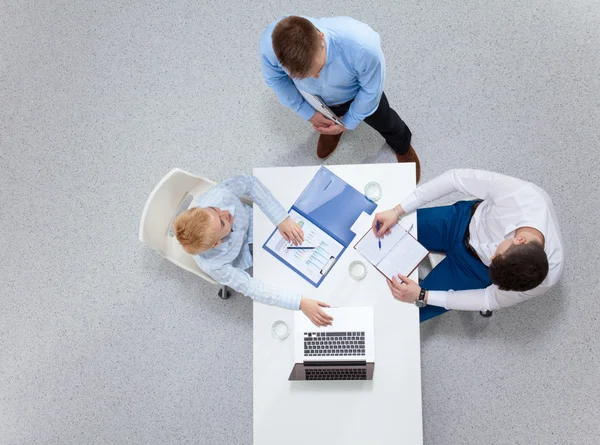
(378, 225)
(299, 248)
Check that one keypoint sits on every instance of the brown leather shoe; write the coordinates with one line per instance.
(411, 156)
(327, 145)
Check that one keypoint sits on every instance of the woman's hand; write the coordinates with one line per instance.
(312, 309)
(291, 231)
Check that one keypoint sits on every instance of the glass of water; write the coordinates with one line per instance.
(280, 330)
(373, 191)
(357, 270)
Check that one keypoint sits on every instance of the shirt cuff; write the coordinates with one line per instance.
(293, 301)
(278, 216)
(306, 111)
(437, 298)
(410, 203)
(350, 122)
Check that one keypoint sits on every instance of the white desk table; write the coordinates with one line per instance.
(386, 410)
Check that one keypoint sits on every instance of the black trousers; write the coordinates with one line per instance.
(387, 122)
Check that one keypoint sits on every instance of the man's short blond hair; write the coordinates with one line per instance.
(296, 43)
(193, 231)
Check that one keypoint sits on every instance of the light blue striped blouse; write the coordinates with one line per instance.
(227, 263)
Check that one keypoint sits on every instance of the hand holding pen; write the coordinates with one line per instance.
(384, 221)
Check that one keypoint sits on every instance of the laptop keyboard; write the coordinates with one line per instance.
(334, 344)
(336, 374)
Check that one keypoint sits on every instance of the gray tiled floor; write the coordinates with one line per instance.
(101, 342)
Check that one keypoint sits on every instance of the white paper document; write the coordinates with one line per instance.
(400, 253)
(312, 263)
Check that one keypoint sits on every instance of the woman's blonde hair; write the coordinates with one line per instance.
(193, 231)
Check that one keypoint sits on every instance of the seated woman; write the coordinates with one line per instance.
(217, 231)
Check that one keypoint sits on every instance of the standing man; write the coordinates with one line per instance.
(502, 248)
(340, 60)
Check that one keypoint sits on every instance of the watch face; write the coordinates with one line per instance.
(420, 303)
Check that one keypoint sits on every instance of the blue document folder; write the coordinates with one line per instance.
(333, 206)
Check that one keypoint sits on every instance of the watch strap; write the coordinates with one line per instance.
(420, 302)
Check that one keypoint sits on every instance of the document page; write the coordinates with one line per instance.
(309, 262)
(403, 258)
(368, 246)
(399, 253)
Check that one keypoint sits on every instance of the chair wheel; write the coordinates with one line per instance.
(486, 313)
(227, 294)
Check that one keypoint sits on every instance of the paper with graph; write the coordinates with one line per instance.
(312, 263)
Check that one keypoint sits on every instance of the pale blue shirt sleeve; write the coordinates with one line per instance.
(370, 68)
(240, 281)
(278, 80)
(246, 185)
(221, 269)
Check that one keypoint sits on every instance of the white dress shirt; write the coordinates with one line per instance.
(227, 262)
(508, 204)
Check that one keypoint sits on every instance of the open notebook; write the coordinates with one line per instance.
(400, 252)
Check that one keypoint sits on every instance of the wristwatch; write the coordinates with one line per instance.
(420, 302)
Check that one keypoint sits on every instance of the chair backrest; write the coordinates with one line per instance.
(172, 195)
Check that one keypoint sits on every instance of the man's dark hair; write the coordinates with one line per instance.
(520, 268)
(296, 42)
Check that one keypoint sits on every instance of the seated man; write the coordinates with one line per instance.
(217, 230)
(501, 249)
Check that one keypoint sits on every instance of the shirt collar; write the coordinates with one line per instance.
(328, 45)
(228, 204)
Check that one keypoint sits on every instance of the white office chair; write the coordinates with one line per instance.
(171, 196)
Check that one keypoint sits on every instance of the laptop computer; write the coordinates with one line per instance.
(343, 351)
